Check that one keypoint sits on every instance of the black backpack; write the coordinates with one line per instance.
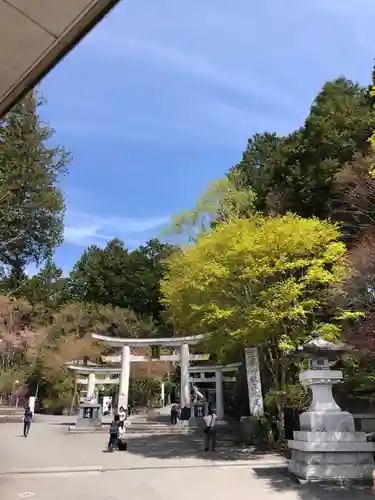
(114, 428)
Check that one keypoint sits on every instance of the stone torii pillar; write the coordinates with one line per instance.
(90, 394)
(181, 343)
(123, 398)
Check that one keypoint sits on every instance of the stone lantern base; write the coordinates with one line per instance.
(327, 446)
(332, 455)
(89, 416)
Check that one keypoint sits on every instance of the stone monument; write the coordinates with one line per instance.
(327, 446)
(89, 417)
(254, 382)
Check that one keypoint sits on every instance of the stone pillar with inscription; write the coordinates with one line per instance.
(185, 386)
(254, 383)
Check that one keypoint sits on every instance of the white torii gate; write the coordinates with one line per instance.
(218, 377)
(92, 370)
(181, 343)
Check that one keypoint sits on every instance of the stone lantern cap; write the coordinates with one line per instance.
(320, 348)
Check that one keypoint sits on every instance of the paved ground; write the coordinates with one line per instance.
(62, 466)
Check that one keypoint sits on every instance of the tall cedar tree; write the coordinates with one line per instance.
(31, 203)
(114, 276)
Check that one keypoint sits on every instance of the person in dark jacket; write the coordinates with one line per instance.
(174, 414)
(27, 418)
(114, 433)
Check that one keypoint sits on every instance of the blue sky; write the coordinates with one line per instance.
(161, 97)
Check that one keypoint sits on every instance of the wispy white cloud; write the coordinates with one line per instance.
(172, 65)
(196, 64)
(199, 76)
(83, 229)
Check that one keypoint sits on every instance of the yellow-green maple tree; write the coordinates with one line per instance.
(258, 279)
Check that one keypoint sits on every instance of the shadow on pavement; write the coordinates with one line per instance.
(169, 446)
(278, 479)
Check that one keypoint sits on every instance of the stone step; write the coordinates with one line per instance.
(131, 430)
(11, 410)
(11, 419)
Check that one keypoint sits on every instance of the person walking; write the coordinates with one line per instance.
(209, 430)
(130, 410)
(174, 414)
(27, 418)
(122, 416)
(113, 434)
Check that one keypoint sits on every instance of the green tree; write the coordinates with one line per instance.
(353, 201)
(221, 201)
(146, 391)
(114, 276)
(298, 172)
(100, 274)
(85, 319)
(147, 264)
(48, 288)
(31, 203)
(258, 281)
(14, 281)
(69, 338)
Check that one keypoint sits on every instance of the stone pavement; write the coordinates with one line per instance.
(50, 463)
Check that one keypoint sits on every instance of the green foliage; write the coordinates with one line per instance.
(254, 276)
(221, 201)
(82, 319)
(298, 172)
(14, 281)
(259, 430)
(292, 395)
(259, 281)
(146, 391)
(48, 288)
(31, 203)
(114, 276)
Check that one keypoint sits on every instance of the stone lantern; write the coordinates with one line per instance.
(327, 447)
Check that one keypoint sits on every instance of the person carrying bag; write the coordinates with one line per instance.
(122, 445)
(210, 430)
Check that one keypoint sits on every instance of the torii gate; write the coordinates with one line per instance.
(184, 357)
(197, 374)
